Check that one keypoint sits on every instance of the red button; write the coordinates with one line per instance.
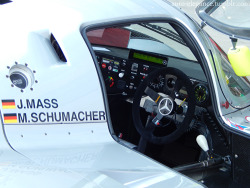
(226, 105)
(104, 65)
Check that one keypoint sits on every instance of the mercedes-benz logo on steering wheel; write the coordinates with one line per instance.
(165, 106)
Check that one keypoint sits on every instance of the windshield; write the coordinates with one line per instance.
(158, 38)
(163, 33)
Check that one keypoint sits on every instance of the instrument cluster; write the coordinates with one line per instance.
(122, 76)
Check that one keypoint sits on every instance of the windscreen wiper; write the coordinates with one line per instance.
(165, 32)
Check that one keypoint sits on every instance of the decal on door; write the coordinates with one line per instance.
(237, 126)
(10, 118)
(44, 111)
(8, 104)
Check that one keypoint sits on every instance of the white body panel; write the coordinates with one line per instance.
(77, 150)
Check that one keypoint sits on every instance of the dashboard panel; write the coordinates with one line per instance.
(123, 70)
(123, 75)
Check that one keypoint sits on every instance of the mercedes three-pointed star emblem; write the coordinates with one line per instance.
(165, 106)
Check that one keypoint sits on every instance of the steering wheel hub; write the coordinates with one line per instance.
(166, 106)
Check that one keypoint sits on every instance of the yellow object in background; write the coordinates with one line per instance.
(240, 60)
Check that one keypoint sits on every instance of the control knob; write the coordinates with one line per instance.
(121, 74)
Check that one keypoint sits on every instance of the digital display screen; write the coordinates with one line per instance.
(149, 58)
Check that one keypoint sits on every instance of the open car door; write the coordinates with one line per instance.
(229, 17)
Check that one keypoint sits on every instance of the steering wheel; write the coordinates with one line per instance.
(164, 106)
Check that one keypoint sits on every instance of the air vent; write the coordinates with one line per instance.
(57, 48)
(138, 35)
(2, 2)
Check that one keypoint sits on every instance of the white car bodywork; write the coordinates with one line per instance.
(61, 137)
(59, 126)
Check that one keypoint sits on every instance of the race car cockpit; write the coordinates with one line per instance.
(158, 94)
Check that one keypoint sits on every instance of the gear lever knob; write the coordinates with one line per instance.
(202, 142)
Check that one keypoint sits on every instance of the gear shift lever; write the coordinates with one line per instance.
(202, 142)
